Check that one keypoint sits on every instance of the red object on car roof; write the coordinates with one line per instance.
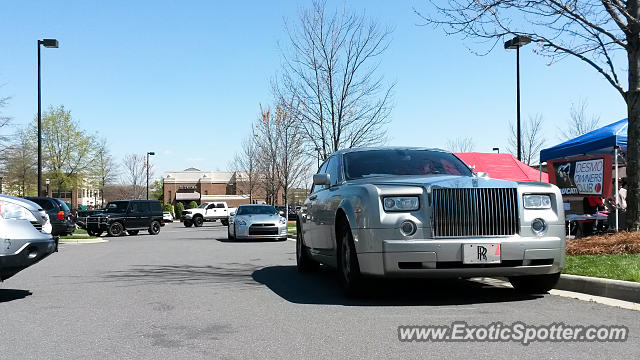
(502, 166)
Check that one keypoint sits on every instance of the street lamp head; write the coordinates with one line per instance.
(496, 149)
(151, 153)
(517, 42)
(47, 181)
(49, 43)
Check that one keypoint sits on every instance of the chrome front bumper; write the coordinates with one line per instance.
(443, 257)
(242, 232)
(22, 246)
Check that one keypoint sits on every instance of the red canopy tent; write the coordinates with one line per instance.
(502, 166)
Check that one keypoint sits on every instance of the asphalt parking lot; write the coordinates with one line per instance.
(189, 293)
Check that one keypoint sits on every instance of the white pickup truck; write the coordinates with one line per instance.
(207, 212)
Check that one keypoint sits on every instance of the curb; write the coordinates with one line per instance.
(83, 241)
(616, 289)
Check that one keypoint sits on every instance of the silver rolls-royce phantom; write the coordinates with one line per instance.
(414, 212)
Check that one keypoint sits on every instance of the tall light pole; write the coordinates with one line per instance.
(516, 43)
(48, 43)
(149, 153)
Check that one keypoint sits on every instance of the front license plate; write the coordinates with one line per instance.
(481, 253)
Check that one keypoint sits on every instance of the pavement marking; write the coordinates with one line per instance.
(82, 241)
(570, 294)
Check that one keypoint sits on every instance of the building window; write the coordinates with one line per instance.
(206, 192)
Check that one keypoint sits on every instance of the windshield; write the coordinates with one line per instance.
(372, 163)
(257, 210)
(117, 207)
(202, 206)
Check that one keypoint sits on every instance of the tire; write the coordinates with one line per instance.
(188, 223)
(282, 239)
(133, 232)
(115, 229)
(534, 284)
(225, 222)
(154, 228)
(198, 221)
(229, 236)
(304, 261)
(95, 233)
(348, 266)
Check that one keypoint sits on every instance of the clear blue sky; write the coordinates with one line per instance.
(185, 78)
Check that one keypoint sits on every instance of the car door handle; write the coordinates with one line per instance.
(313, 197)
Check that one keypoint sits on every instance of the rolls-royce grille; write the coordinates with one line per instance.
(475, 212)
(263, 229)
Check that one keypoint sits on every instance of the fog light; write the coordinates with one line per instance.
(539, 226)
(408, 228)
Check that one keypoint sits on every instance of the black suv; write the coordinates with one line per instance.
(62, 222)
(128, 216)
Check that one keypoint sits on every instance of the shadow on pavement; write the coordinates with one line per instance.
(231, 274)
(322, 287)
(225, 240)
(7, 295)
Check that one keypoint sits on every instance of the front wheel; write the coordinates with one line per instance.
(115, 229)
(534, 284)
(188, 223)
(198, 221)
(229, 236)
(348, 267)
(304, 261)
(154, 228)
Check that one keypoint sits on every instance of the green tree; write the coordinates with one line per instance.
(155, 190)
(179, 208)
(67, 150)
(192, 205)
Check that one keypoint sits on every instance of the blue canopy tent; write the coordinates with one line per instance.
(599, 141)
(608, 139)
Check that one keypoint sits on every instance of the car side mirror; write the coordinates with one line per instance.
(322, 179)
(232, 214)
(281, 213)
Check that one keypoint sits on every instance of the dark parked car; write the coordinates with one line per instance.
(128, 216)
(82, 215)
(59, 214)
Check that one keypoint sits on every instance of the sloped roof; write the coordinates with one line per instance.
(502, 166)
(197, 176)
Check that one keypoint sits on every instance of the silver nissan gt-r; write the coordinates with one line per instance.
(257, 222)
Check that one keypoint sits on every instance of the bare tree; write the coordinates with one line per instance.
(104, 169)
(245, 165)
(579, 122)
(604, 34)
(135, 176)
(292, 162)
(21, 165)
(465, 144)
(329, 68)
(267, 150)
(532, 139)
(4, 124)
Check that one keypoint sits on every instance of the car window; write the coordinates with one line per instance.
(143, 207)
(361, 164)
(220, 206)
(117, 206)
(257, 210)
(62, 205)
(45, 203)
(155, 206)
(332, 170)
(211, 206)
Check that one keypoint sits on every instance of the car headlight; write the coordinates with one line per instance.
(241, 222)
(536, 201)
(401, 203)
(10, 210)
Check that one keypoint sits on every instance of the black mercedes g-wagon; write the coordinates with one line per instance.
(128, 216)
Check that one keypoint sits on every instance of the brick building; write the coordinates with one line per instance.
(206, 186)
